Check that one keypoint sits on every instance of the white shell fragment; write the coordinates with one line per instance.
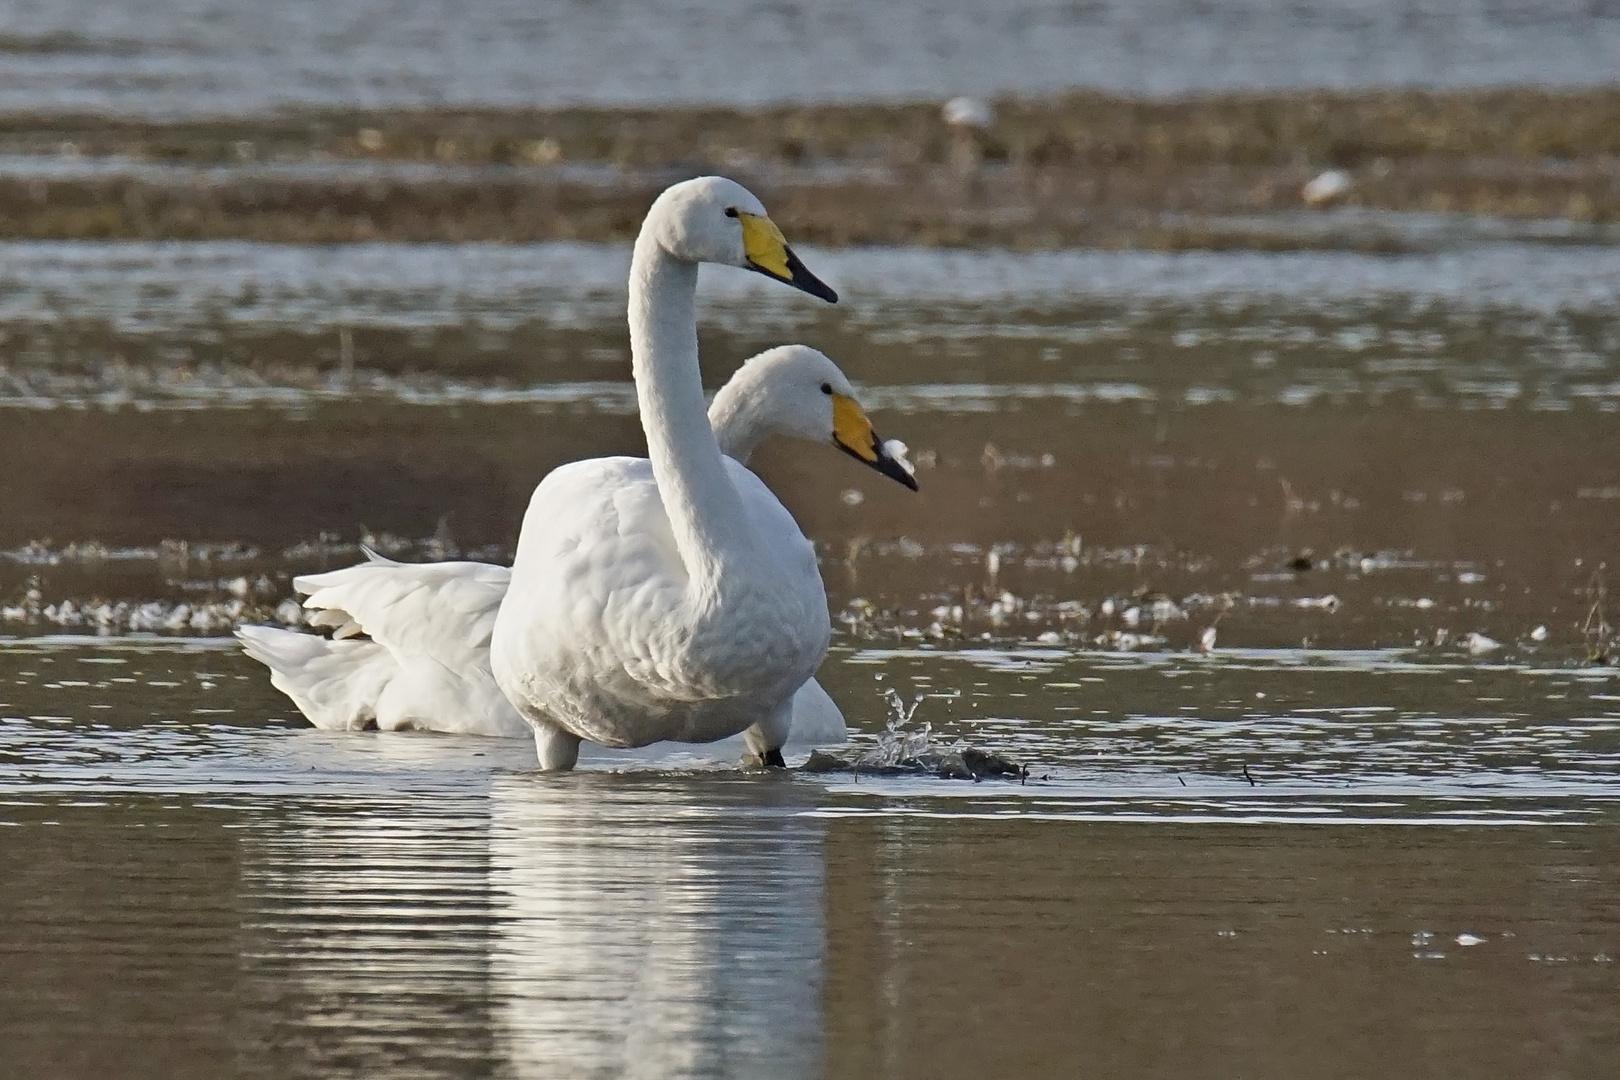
(1327, 188)
(897, 450)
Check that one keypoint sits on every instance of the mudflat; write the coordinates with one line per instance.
(1207, 171)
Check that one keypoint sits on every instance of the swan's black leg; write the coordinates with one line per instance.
(773, 760)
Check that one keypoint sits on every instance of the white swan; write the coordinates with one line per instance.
(667, 598)
(426, 664)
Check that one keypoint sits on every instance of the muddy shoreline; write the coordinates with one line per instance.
(1081, 170)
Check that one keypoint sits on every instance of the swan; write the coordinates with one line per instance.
(670, 598)
(425, 663)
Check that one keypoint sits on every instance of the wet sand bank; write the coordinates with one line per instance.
(1079, 170)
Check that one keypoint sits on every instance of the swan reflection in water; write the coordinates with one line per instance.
(577, 925)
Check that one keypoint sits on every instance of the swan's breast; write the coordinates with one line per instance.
(603, 632)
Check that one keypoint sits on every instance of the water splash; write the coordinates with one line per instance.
(896, 746)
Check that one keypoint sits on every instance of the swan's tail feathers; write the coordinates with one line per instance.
(374, 559)
(336, 684)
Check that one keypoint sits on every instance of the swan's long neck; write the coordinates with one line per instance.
(704, 509)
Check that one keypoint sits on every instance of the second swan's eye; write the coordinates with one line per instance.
(826, 388)
(731, 211)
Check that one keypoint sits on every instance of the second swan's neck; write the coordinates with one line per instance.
(704, 509)
(738, 417)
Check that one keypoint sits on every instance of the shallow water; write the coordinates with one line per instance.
(186, 56)
(1439, 866)
(1373, 832)
(1336, 449)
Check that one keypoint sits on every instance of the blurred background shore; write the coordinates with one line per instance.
(1219, 170)
(1201, 125)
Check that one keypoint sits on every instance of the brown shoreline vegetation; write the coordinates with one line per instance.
(1083, 169)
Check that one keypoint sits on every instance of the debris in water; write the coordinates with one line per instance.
(1206, 640)
(901, 753)
(1596, 629)
(1478, 644)
(968, 763)
(1467, 940)
(1539, 634)
(1121, 641)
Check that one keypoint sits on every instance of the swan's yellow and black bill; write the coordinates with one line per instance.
(853, 434)
(768, 254)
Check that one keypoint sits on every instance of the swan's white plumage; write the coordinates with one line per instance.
(336, 684)
(434, 621)
(623, 650)
(671, 599)
(430, 623)
(667, 598)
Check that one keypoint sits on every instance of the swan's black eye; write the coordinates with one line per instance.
(731, 211)
(826, 388)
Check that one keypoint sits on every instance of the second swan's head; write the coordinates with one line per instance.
(712, 219)
(795, 391)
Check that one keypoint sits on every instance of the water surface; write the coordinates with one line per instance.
(163, 57)
(1236, 856)
(1372, 832)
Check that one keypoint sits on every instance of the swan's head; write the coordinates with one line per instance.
(712, 219)
(794, 390)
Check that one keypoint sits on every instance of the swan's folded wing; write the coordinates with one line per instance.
(776, 527)
(596, 568)
(444, 610)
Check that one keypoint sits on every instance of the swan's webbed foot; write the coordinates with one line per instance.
(764, 739)
(768, 759)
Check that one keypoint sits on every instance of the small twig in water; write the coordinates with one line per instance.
(1596, 629)
(1246, 775)
(345, 356)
